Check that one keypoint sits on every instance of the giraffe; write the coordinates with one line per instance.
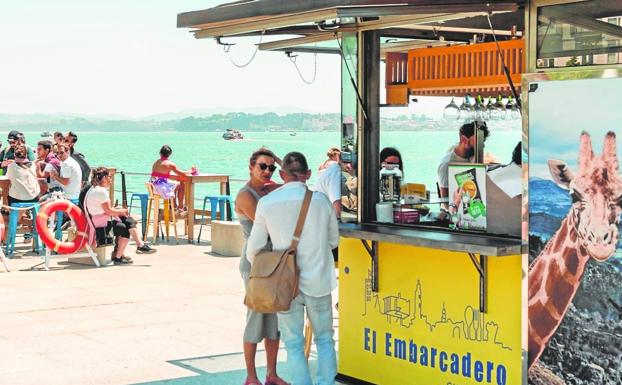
(590, 230)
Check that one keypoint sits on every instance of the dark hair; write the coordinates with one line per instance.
(74, 137)
(20, 152)
(97, 174)
(391, 151)
(468, 129)
(517, 154)
(58, 133)
(21, 138)
(46, 144)
(261, 152)
(295, 163)
(166, 151)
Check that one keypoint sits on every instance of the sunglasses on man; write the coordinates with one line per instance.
(264, 166)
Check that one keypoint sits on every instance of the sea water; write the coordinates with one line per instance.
(136, 151)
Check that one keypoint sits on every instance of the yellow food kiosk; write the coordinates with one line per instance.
(427, 302)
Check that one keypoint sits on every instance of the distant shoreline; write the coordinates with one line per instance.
(218, 123)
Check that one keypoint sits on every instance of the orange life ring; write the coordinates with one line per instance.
(47, 235)
(1, 226)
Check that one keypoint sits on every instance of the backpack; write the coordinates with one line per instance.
(84, 166)
(273, 281)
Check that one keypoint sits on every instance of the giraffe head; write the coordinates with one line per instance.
(596, 192)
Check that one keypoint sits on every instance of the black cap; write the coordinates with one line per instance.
(13, 135)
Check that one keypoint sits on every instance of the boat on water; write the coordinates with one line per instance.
(292, 134)
(231, 134)
(46, 134)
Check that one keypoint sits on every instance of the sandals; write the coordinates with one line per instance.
(270, 382)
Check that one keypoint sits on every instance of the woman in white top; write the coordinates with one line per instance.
(97, 204)
(22, 175)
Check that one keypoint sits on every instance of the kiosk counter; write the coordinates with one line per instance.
(418, 305)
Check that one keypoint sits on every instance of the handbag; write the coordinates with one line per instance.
(99, 225)
(273, 280)
(100, 220)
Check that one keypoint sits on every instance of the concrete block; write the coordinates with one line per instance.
(87, 260)
(227, 238)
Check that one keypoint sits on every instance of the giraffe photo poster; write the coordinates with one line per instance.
(575, 255)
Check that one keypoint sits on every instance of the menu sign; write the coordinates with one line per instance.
(467, 196)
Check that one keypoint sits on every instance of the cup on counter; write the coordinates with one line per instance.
(384, 212)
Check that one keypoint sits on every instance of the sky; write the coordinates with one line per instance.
(127, 58)
(560, 110)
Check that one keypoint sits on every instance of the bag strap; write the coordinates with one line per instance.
(306, 202)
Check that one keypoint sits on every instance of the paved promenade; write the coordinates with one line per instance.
(174, 317)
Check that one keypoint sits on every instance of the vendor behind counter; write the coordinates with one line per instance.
(503, 186)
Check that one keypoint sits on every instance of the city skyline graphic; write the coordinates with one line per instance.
(408, 312)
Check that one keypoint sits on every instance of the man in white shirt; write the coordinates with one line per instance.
(276, 216)
(70, 173)
(460, 153)
(329, 183)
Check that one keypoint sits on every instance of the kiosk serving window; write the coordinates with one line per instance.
(416, 139)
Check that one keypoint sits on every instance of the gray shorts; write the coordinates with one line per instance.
(259, 325)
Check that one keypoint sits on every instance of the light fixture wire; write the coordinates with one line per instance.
(252, 57)
(292, 58)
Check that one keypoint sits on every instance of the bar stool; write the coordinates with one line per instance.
(144, 204)
(154, 205)
(216, 201)
(12, 228)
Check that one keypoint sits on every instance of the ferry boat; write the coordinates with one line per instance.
(46, 134)
(231, 134)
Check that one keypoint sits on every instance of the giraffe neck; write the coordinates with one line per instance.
(553, 282)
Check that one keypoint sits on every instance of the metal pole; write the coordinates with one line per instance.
(123, 190)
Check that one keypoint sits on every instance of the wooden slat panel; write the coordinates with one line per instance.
(475, 65)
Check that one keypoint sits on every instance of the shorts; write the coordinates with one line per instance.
(164, 187)
(120, 228)
(15, 200)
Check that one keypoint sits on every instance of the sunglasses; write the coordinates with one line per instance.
(264, 166)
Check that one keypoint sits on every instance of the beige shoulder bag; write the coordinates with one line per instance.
(273, 282)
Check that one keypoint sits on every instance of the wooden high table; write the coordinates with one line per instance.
(191, 181)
